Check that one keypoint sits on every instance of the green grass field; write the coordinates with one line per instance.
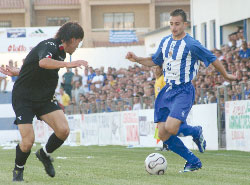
(118, 165)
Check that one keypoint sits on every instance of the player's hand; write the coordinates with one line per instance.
(10, 71)
(230, 77)
(77, 63)
(131, 56)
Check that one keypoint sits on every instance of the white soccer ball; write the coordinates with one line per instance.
(156, 164)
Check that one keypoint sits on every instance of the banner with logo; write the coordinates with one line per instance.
(147, 128)
(24, 39)
(130, 122)
(122, 36)
(238, 125)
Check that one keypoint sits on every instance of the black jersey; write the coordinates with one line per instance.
(36, 83)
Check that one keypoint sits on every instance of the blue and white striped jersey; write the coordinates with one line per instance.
(180, 59)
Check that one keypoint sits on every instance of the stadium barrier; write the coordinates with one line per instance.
(129, 128)
(238, 125)
(136, 128)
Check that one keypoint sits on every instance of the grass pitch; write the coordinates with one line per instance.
(118, 165)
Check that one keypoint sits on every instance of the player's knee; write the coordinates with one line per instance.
(63, 132)
(162, 134)
(27, 145)
(171, 129)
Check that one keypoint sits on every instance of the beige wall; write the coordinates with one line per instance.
(141, 13)
(161, 9)
(17, 19)
(41, 15)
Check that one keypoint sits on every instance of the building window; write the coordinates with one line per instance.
(194, 32)
(57, 21)
(118, 20)
(204, 34)
(164, 19)
(4, 24)
(212, 34)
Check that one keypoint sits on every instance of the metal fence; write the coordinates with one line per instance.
(217, 95)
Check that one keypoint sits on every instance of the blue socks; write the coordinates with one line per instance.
(177, 146)
(187, 130)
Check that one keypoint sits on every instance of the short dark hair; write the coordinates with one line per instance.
(70, 30)
(180, 12)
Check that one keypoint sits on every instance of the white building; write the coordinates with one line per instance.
(212, 21)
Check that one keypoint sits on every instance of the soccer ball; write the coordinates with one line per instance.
(156, 164)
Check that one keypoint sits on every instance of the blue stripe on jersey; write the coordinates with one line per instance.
(168, 46)
(183, 64)
(193, 60)
(176, 49)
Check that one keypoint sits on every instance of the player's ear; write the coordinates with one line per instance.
(185, 24)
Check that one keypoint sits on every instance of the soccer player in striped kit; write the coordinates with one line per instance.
(179, 55)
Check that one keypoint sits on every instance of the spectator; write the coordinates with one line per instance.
(219, 55)
(76, 92)
(67, 78)
(240, 36)
(75, 78)
(245, 51)
(90, 76)
(136, 103)
(64, 98)
(159, 79)
(149, 90)
(3, 78)
(11, 64)
(211, 98)
(85, 80)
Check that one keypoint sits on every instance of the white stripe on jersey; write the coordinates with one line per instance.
(165, 44)
(196, 68)
(177, 64)
(187, 68)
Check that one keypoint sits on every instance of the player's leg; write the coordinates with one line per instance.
(194, 131)
(57, 121)
(23, 150)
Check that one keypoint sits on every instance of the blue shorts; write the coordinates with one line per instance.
(175, 101)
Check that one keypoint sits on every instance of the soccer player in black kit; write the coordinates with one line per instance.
(33, 93)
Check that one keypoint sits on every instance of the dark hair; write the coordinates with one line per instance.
(68, 31)
(180, 12)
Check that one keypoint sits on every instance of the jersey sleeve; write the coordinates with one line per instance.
(47, 50)
(157, 58)
(202, 53)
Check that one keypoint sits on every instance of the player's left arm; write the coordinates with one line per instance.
(217, 64)
(208, 58)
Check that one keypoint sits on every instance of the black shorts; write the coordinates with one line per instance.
(26, 110)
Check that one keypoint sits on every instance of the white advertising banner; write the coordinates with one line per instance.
(24, 39)
(90, 129)
(147, 129)
(204, 115)
(238, 125)
(130, 122)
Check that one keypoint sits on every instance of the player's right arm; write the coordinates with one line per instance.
(147, 61)
(49, 63)
(10, 71)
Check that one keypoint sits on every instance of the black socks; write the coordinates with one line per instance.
(21, 158)
(53, 143)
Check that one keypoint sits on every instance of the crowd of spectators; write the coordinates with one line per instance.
(94, 90)
(133, 88)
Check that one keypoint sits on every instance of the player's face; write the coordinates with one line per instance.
(71, 46)
(177, 26)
